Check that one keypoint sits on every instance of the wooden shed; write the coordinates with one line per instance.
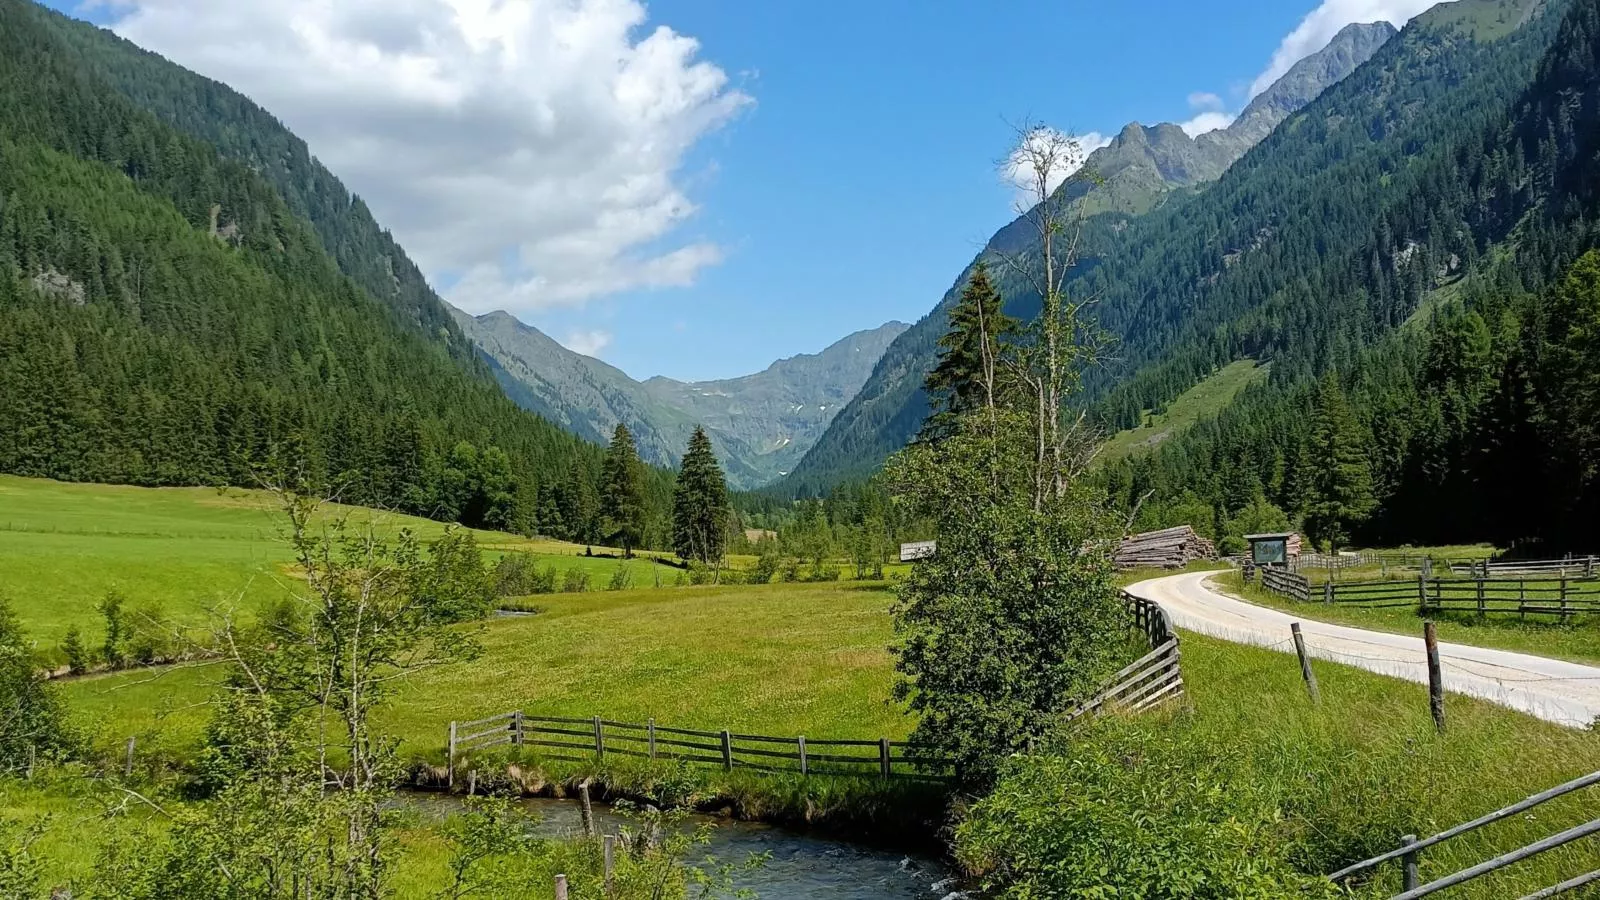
(1273, 549)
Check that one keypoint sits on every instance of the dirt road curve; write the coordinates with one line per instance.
(1562, 692)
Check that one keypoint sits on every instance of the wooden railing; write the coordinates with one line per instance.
(1410, 852)
(1146, 682)
(1279, 581)
(1571, 566)
(1558, 596)
(585, 740)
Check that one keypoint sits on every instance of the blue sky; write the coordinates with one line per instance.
(832, 168)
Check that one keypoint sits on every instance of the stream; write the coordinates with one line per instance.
(801, 865)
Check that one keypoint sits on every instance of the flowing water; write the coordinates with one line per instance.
(800, 866)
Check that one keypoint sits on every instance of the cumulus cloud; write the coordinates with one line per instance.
(588, 343)
(1319, 27)
(529, 153)
(1059, 152)
(1209, 114)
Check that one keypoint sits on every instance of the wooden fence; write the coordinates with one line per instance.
(1410, 852)
(585, 740)
(1280, 581)
(1569, 567)
(1557, 596)
(1146, 682)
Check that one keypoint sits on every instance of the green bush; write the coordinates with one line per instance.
(519, 575)
(1128, 812)
(575, 582)
(766, 565)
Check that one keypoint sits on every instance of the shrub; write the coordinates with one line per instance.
(700, 573)
(766, 567)
(32, 716)
(518, 575)
(77, 655)
(1124, 812)
(791, 569)
(621, 578)
(575, 582)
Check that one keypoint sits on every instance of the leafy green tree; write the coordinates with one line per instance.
(114, 651)
(968, 374)
(1340, 474)
(622, 491)
(32, 716)
(76, 653)
(700, 504)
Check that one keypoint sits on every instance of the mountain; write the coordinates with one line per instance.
(760, 425)
(1477, 418)
(187, 297)
(1143, 162)
(1180, 285)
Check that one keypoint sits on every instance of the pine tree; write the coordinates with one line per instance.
(1340, 472)
(622, 497)
(967, 375)
(700, 504)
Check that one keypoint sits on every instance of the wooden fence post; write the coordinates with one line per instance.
(1327, 592)
(1305, 663)
(1588, 567)
(1564, 610)
(450, 759)
(650, 736)
(586, 807)
(472, 783)
(561, 887)
(516, 728)
(1422, 592)
(884, 763)
(610, 861)
(1409, 861)
(1483, 609)
(727, 750)
(804, 770)
(127, 765)
(1430, 638)
(599, 740)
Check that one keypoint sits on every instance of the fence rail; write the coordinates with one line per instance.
(1410, 851)
(1279, 581)
(1557, 596)
(1146, 682)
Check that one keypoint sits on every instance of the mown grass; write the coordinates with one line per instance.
(1203, 401)
(783, 659)
(186, 553)
(1577, 640)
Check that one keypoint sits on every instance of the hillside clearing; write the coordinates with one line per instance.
(1203, 401)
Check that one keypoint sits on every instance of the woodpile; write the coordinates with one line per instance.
(1170, 548)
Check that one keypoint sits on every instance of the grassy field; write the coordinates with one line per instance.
(774, 659)
(1203, 401)
(785, 659)
(184, 552)
(1578, 640)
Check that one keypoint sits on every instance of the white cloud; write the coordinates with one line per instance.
(1210, 120)
(1205, 101)
(1065, 153)
(1322, 23)
(589, 343)
(530, 151)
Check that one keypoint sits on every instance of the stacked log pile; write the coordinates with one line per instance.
(1170, 548)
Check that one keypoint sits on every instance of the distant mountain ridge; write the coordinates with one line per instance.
(760, 424)
(1143, 162)
(1132, 176)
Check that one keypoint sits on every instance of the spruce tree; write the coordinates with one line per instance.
(968, 372)
(700, 504)
(622, 497)
(1340, 473)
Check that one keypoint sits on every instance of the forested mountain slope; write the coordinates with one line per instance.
(1479, 420)
(1242, 267)
(166, 317)
(760, 425)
